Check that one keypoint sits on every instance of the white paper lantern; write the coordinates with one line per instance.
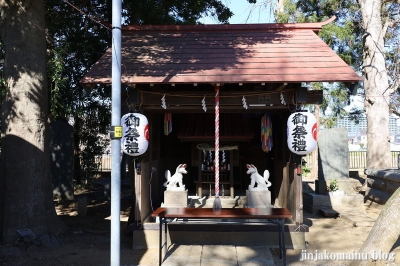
(135, 134)
(302, 133)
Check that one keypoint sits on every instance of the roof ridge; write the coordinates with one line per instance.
(314, 26)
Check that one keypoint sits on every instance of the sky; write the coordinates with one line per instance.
(256, 13)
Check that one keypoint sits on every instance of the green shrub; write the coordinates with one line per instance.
(333, 186)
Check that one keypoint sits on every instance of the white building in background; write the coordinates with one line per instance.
(357, 132)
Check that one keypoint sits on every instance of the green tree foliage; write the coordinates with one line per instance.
(77, 37)
(172, 12)
(76, 41)
(343, 36)
(390, 12)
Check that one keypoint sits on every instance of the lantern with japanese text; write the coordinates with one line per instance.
(302, 132)
(135, 134)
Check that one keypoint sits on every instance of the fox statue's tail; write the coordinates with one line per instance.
(167, 176)
(266, 177)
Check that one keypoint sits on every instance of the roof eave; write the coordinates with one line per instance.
(316, 26)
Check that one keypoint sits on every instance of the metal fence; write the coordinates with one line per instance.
(357, 160)
(105, 162)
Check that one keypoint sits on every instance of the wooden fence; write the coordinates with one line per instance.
(357, 160)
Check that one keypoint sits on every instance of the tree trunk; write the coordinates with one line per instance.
(375, 86)
(280, 6)
(384, 234)
(26, 196)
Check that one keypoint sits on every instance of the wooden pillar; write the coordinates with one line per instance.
(199, 186)
(232, 189)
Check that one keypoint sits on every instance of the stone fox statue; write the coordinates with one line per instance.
(173, 181)
(262, 182)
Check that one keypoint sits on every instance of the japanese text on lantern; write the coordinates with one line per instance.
(299, 132)
(131, 134)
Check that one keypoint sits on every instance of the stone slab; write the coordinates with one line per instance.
(378, 196)
(381, 184)
(259, 255)
(376, 183)
(356, 200)
(333, 154)
(183, 255)
(328, 212)
(175, 199)
(62, 160)
(346, 185)
(392, 186)
(357, 217)
(258, 199)
(320, 187)
(314, 202)
(390, 174)
(196, 255)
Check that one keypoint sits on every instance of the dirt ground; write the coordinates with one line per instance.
(88, 240)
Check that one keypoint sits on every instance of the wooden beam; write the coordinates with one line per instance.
(190, 101)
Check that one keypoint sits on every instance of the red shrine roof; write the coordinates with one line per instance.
(245, 53)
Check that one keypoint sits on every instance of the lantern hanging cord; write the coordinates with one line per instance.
(127, 101)
(133, 108)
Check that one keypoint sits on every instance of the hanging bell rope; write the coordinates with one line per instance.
(217, 202)
(216, 141)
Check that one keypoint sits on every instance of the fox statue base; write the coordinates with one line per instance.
(175, 199)
(258, 199)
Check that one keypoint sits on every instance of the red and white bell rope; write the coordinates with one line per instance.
(216, 141)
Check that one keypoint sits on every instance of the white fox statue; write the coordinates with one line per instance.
(262, 182)
(175, 180)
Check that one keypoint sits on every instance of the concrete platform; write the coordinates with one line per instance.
(219, 233)
(356, 217)
(314, 202)
(196, 255)
(328, 212)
